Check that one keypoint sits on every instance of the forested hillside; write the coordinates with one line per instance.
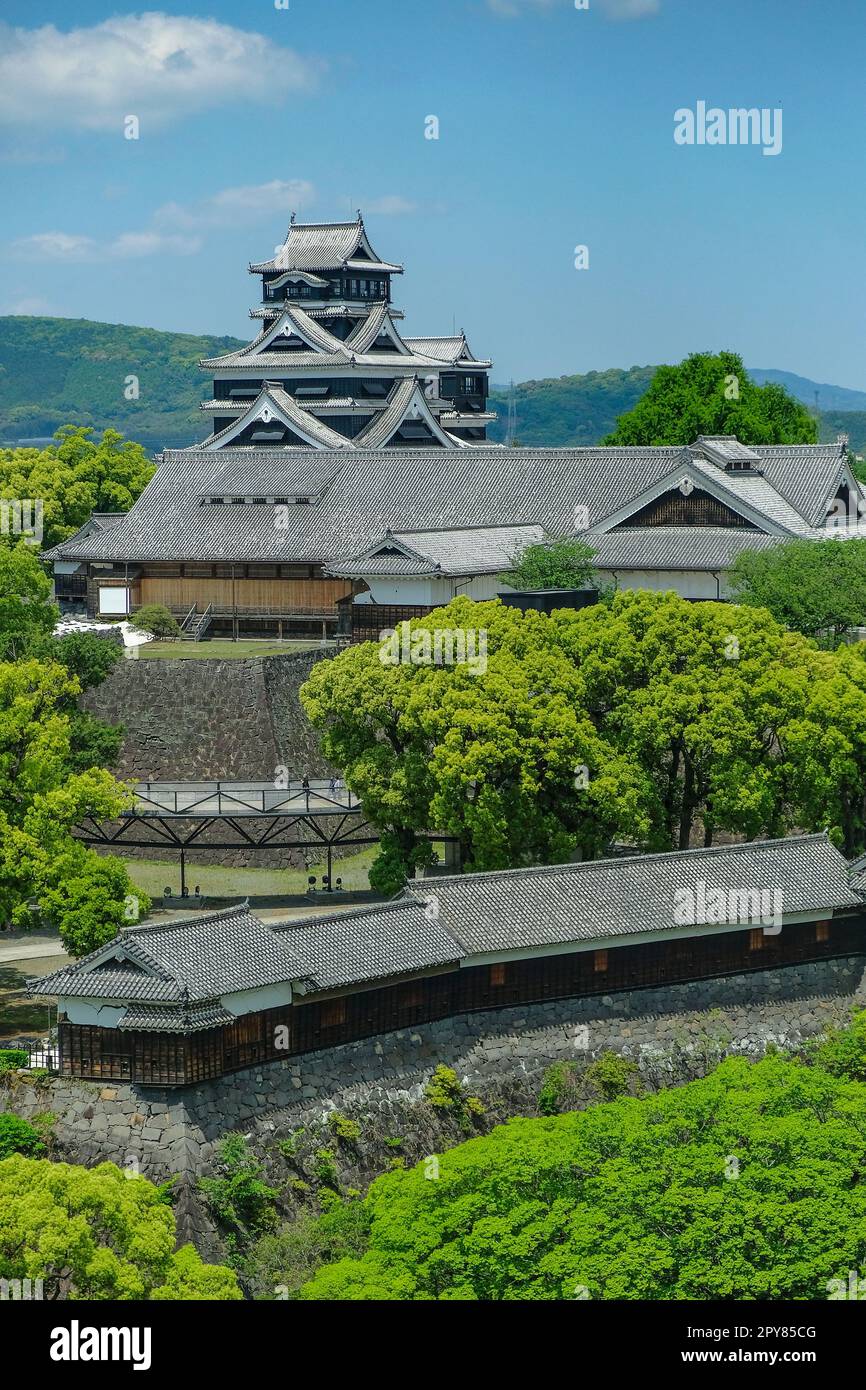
(73, 371)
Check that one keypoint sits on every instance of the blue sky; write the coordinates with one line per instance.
(555, 129)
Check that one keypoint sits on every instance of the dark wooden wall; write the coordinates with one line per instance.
(171, 1059)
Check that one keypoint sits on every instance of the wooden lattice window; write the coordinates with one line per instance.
(822, 931)
(599, 962)
(497, 974)
(333, 1013)
(756, 939)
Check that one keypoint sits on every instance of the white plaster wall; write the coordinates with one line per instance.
(434, 591)
(687, 583)
(91, 1011)
(248, 1001)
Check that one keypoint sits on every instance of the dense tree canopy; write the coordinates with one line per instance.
(647, 718)
(564, 563)
(815, 587)
(747, 1184)
(44, 872)
(75, 477)
(52, 760)
(98, 1233)
(712, 393)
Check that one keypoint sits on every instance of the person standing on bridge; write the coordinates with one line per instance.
(305, 785)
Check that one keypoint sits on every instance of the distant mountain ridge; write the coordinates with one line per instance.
(59, 371)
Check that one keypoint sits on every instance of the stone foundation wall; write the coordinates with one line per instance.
(500, 1055)
(203, 719)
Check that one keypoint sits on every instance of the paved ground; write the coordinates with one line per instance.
(32, 946)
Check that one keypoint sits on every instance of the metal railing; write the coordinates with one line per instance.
(43, 1054)
(220, 798)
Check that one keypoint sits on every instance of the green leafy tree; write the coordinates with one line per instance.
(90, 659)
(711, 393)
(694, 694)
(815, 587)
(26, 612)
(97, 1233)
(506, 760)
(565, 563)
(75, 477)
(823, 742)
(44, 872)
(647, 718)
(706, 1191)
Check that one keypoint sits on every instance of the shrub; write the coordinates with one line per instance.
(557, 1080)
(11, 1058)
(289, 1147)
(325, 1168)
(445, 1091)
(344, 1128)
(155, 618)
(239, 1198)
(444, 1088)
(19, 1137)
(611, 1075)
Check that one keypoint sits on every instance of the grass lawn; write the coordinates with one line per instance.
(18, 1014)
(221, 647)
(215, 880)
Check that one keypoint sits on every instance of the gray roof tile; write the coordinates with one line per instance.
(404, 490)
(370, 944)
(600, 900)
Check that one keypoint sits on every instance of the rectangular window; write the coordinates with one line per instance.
(822, 931)
(333, 1013)
(497, 974)
(599, 962)
(756, 939)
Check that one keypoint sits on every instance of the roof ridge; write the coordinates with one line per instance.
(223, 912)
(540, 869)
(403, 899)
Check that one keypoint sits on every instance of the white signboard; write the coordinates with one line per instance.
(113, 600)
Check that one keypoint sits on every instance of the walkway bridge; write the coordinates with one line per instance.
(315, 813)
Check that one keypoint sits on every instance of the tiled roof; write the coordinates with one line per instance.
(402, 490)
(603, 899)
(322, 246)
(299, 473)
(757, 492)
(370, 944)
(195, 1018)
(206, 956)
(674, 547)
(452, 348)
(296, 417)
(471, 550)
(442, 922)
(336, 360)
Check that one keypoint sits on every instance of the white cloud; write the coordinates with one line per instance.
(31, 154)
(65, 249)
(247, 203)
(391, 205)
(611, 9)
(55, 246)
(176, 228)
(31, 306)
(155, 66)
